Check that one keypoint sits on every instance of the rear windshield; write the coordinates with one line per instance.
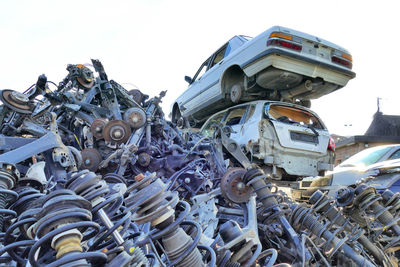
(292, 115)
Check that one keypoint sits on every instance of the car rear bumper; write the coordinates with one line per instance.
(298, 64)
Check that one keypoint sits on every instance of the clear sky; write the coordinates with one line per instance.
(153, 44)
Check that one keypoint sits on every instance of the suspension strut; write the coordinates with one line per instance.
(303, 218)
(255, 179)
(61, 223)
(155, 205)
(367, 200)
(9, 176)
(323, 205)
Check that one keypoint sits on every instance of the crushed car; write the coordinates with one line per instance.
(289, 141)
(279, 64)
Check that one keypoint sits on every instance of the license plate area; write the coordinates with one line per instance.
(302, 137)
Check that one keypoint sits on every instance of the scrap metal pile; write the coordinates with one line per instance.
(94, 175)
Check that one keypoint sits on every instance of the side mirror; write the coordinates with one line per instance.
(188, 79)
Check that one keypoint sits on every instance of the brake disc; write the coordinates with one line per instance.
(136, 95)
(16, 101)
(86, 77)
(97, 126)
(135, 117)
(117, 131)
(232, 186)
(91, 159)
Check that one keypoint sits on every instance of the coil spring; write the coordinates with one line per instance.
(369, 202)
(94, 189)
(61, 222)
(9, 176)
(303, 218)
(321, 204)
(392, 200)
(153, 203)
(272, 209)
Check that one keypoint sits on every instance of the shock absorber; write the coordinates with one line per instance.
(368, 201)
(9, 176)
(324, 205)
(154, 204)
(302, 218)
(392, 200)
(61, 223)
(272, 211)
(94, 189)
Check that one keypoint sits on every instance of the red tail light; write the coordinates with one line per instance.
(331, 144)
(341, 61)
(285, 44)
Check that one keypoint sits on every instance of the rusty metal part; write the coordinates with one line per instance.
(144, 159)
(136, 95)
(97, 126)
(232, 186)
(135, 117)
(91, 159)
(86, 78)
(16, 101)
(117, 131)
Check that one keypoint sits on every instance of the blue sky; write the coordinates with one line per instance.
(154, 44)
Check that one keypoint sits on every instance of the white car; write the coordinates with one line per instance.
(287, 140)
(279, 64)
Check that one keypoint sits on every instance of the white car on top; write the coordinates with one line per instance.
(279, 64)
(287, 140)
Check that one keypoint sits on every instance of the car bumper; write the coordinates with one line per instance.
(298, 64)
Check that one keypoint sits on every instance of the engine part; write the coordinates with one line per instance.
(232, 186)
(135, 117)
(16, 101)
(117, 132)
(91, 159)
(136, 95)
(97, 126)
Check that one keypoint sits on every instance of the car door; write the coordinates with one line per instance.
(235, 119)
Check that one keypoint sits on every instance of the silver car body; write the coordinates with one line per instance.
(367, 163)
(296, 148)
(264, 70)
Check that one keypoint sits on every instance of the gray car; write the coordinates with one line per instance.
(360, 166)
(279, 64)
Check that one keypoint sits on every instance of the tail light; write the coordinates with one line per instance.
(331, 144)
(284, 40)
(342, 59)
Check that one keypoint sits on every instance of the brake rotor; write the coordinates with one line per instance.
(91, 159)
(232, 186)
(117, 131)
(86, 77)
(135, 117)
(97, 127)
(16, 101)
(136, 95)
(144, 159)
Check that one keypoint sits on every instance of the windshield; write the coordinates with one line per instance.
(366, 157)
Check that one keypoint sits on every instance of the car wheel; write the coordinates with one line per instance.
(236, 93)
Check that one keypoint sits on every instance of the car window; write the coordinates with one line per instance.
(366, 157)
(210, 126)
(201, 70)
(250, 112)
(220, 55)
(292, 115)
(395, 155)
(234, 116)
